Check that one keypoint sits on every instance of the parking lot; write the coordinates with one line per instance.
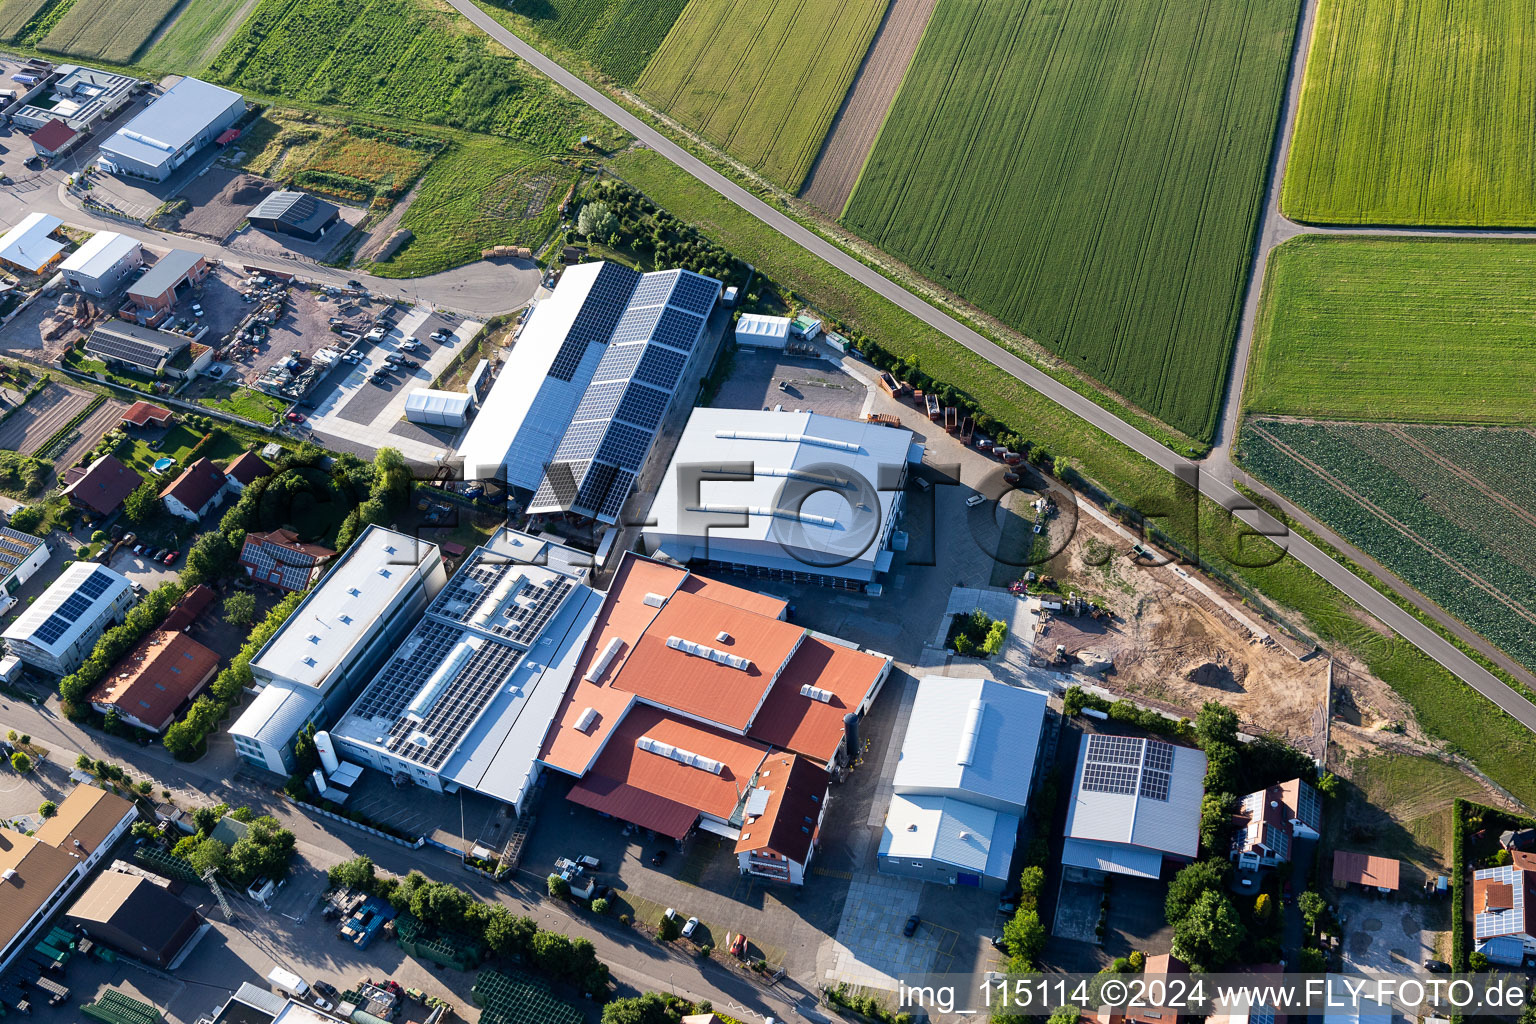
(811, 384)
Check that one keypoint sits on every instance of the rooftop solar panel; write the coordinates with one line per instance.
(695, 294)
(679, 330)
(656, 288)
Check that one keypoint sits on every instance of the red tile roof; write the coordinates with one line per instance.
(191, 605)
(1364, 869)
(807, 726)
(196, 485)
(247, 468)
(797, 790)
(725, 593)
(103, 485)
(658, 792)
(140, 413)
(165, 669)
(52, 136)
(696, 685)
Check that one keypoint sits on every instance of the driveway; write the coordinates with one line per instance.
(1383, 934)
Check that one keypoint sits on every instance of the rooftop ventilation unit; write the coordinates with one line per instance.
(810, 519)
(419, 739)
(602, 661)
(655, 600)
(817, 693)
(7, 874)
(723, 637)
(587, 717)
(680, 755)
(809, 439)
(972, 732)
(384, 573)
(698, 650)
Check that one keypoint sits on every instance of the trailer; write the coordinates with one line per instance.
(934, 409)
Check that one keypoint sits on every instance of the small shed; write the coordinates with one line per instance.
(433, 408)
(762, 331)
(1365, 869)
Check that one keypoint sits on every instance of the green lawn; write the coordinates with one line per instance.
(177, 444)
(1091, 173)
(1404, 804)
(1417, 112)
(1431, 330)
(1444, 706)
(193, 40)
(616, 37)
(253, 405)
(762, 80)
(404, 59)
(482, 192)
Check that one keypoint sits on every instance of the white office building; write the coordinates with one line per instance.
(335, 641)
(466, 699)
(59, 629)
(963, 783)
(101, 266)
(809, 498)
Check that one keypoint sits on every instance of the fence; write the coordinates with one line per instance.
(419, 842)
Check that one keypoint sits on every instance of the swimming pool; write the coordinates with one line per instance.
(163, 463)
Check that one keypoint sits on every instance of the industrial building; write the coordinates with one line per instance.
(298, 214)
(98, 490)
(173, 275)
(138, 348)
(171, 130)
(279, 559)
(21, 555)
(57, 631)
(30, 246)
(466, 698)
(758, 331)
(433, 408)
(80, 99)
(335, 641)
(53, 139)
(102, 264)
(788, 495)
(963, 782)
(1135, 802)
(688, 690)
(575, 410)
(39, 871)
(138, 917)
(163, 673)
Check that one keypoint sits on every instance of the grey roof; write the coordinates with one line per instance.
(130, 343)
(165, 274)
(276, 714)
(964, 835)
(15, 547)
(1114, 858)
(296, 209)
(170, 122)
(972, 738)
(1138, 792)
(69, 606)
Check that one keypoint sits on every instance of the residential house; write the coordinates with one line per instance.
(163, 673)
(280, 559)
(1504, 910)
(196, 491)
(244, 471)
(1268, 821)
(99, 489)
(782, 819)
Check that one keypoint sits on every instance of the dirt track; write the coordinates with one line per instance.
(863, 111)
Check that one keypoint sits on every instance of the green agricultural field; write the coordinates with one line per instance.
(482, 192)
(1429, 330)
(617, 37)
(15, 15)
(403, 59)
(200, 30)
(762, 80)
(1417, 112)
(1091, 173)
(109, 30)
(1446, 508)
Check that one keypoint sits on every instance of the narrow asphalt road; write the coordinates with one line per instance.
(1208, 483)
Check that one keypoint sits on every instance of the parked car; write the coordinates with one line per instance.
(691, 926)
(354, 283)
(295, 417)
(326, 989)
(170, 558)
(910, 928)
(411, 363)
(441, 336)
(658, 858)
(138, 549)
(377, 334)
(671, 914)
(1437, 967)
(739, 945)
(974, 500)
(151, 553)
(394, 359)
(323, 1004)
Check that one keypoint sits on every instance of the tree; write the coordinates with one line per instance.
(208, 854)
(28, 519)
(357, 873)
(1216, 723)
(1263, 908)
(599, 906)
(1209, 935)
(84, 763)
(552, 953)
(507, 935)
(265, 849)
(1311, 905)
(391, 477)
(21, 762)
(213, 556)
(558, 888)
(1024, 935)
(143, 504)
(650, 1008)
(1216, 811)
(1329, 787)
(47, 809)
(144, 830)
(1311, 961)
(1190, 884)
(1063, 1015)
(205, 818)
(597, 220)
(668, 929)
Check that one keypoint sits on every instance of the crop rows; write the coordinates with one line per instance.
(1430, 330)
(1444, 532)
(400, 59)
(616, 37)
(109, 30)
(1090, 172)
(1417, 112)
(762, 80)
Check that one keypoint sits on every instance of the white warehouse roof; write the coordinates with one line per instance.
(99, 255)
(28, 245)
(68, 607)
(340, 610)
(977, 741)
(756, 329)
(171, 121)
(1133, 800)
(437, 408)
(822, 498)
(966, 835)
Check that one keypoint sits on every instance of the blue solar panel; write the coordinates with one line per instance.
(600, 312)
(600, 401)
(637, 325)
(661, 367)
(696, 294)
(95, 585)
(656, 288)
(679, 330)
(619, 362)
(624, 445)
(643, 406)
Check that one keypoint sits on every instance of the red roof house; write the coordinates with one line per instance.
(195, 491)
(246, 470)
(102, 486)
(53, 138)
(144, 414)
(163, 672)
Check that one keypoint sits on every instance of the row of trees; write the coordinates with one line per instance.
(617, 215)
(446, 907)
(114, 643)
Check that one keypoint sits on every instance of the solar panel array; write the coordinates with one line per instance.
(74, 606)
(122, 346)
(1503, 922)
(457, 707)
(15, 547)
(413, 664)
(599, 314)
(524, 611)
(600, 457)
(1128, 766)
(294, 568)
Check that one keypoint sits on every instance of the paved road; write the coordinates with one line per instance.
(479, 289)
(1210, 484)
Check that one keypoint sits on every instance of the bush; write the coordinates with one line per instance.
(599, 906)
(47, 809)
(21, 762)
(668, 929)
(558, 887)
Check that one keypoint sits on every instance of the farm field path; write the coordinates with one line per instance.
(847, 145)
(1215, 486)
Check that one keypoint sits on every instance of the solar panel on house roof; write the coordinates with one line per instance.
(122, 346)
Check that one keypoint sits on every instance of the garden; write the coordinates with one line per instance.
(975, 634)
